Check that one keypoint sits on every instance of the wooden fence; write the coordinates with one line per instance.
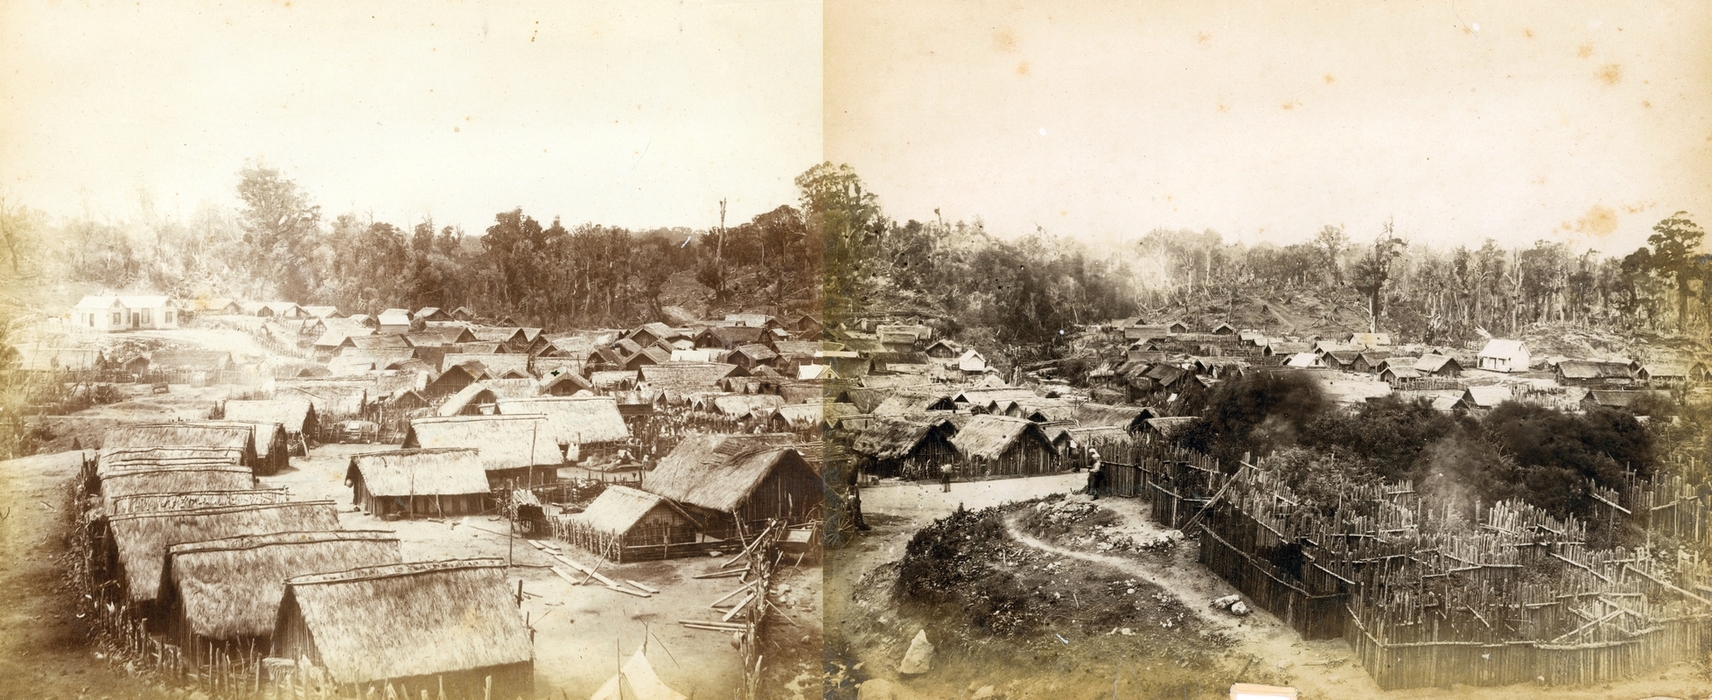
(1433, 595)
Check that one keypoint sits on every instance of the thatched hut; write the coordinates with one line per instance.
(747, 405)
(736, 483)
(1005, 446)
(585, 426)
(422, 627)
(440, 482)
(686, 377)
(910, 447)
(199, 435)
(516, 450)
(136, 543)
(499, 365)
(624, 524)
(333, 399)
(454, 378)
(225, 593)
(297, 415)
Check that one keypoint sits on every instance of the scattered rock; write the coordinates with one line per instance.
(984, 693)
(1125, 631)
(877, 689)
(1226, 602)
(1239, 608)
(919, 658)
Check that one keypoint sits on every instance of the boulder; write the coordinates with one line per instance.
(877, 689)
(1226, 602)
(919, 658)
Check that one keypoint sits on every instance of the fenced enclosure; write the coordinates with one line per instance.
(1431, 594)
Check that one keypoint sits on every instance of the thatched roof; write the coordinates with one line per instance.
(329, 396)
(573, 420)
(551, 381)
(499, 334)
(746, 405)
(613, 379)
(619, 508)
(1169, 426)
(498, 364)
(506, 442)
(1089, 414)
(892, 437)
(151, 502)
(444, 472)
(686, 376)
(909, 403)
(202, 435)
(230, 587)
(176, 479)
(718, 472)
(341, 336)
(990, 436)
(143, 538)
(414, 619)
(142, 458)
(808, 415)
(293, 413)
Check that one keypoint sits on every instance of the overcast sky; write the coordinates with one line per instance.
(633, 114)
(1584, 121)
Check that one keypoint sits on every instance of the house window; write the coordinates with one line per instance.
(118, 318)
(145, 315)
(168, 317)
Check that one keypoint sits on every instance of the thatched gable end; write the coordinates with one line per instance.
(722, 472)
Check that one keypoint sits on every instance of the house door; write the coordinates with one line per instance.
(133, 319)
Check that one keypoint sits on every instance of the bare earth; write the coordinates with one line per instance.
(1264, 648)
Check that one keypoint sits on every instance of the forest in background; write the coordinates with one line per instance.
(838, 251)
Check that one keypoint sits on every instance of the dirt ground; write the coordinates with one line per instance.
(582, 633)
(1262, 649)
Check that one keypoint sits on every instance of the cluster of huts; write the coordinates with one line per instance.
(1165, 362)
(186, 546)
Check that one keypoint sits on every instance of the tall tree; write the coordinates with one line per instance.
(1374, 269)
(280, 226)
(848, 220)
(1676, 241)
(1330, 243)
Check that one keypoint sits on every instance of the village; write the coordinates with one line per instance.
(528, 504)
(557, 479)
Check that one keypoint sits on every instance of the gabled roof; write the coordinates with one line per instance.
(291, 412)
(756, 352)
(1486, 396)
(230, 588)
(573, 420)
(686, 376)
(142, 539)
(892, 437)
(1502, 348)
(720, 472)
(1434, 363)
(505, 442)
(394, 317)
(1590, 369)
(1620, 399)
(617, 509)
(498, 365)
(989, 436)
(414, 619)
(453, 471)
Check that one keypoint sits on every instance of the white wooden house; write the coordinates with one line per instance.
(123, 313)
(1502, 355)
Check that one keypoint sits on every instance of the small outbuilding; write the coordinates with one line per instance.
(419, 482)
(624, 525)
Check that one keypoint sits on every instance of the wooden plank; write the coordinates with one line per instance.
(639, 585)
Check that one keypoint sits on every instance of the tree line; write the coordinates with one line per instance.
(835, 249)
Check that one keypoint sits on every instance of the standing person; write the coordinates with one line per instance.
(1095, 472)
(945, 476)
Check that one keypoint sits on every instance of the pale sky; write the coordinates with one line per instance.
(1581, 121)
(633, 114)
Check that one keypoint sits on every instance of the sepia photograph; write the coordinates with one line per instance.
(785, 349)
